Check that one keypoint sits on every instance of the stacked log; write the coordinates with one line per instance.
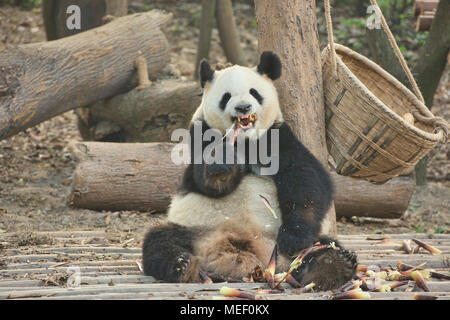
(41, 80)
(141, 176)
(425, 11)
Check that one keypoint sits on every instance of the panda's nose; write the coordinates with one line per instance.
(243, 108)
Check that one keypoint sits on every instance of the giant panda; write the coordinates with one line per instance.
(217, 221)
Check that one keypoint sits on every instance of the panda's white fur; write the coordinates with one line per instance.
(194, 209)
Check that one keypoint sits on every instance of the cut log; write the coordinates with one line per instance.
(424, 21)
(124, 176)
(141, 176)
(146, 115)
(424, 5)
(41, 80)
(361, 198)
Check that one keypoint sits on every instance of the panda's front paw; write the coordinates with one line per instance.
(328, 268)
(218, 180)
(291, 242)
(216, 169)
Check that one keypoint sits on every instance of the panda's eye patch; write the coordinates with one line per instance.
(225, 98)
(256, 95)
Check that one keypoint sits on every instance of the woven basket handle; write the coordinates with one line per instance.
(439, 124)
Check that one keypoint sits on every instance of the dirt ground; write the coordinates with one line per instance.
(36, 167)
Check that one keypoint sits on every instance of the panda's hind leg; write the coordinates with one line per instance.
(328, 268)
(167, 254)
(233, 250)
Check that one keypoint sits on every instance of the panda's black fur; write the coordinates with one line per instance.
(175, 253)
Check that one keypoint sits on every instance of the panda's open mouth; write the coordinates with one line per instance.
(246, 121)
(241, 123)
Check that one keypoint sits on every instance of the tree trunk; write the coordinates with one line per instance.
(433, 58)
(229, 36)
(92, 13)
(431, 63)
(41, 80)
(147, 115)
(141, 176)
(383, 54)
(433, 55)
(206, 26)
(289, 28)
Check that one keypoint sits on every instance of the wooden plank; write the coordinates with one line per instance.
(56, 257)
(105, 278)
(395, 236)
(56, 266)
(77, 249)
(98, 268)
(67, 234)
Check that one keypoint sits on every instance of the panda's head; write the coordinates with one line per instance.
(241, 96)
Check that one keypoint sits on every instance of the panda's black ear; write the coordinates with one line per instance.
(206, 73)
(270, 65)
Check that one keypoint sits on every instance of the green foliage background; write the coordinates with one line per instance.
(26, 4)
(350, 16)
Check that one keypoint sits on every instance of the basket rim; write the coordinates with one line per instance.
(435, 137)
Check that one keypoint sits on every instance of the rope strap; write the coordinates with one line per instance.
(330, 36)
(438, 123)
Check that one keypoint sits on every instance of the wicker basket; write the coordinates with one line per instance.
(366, 134)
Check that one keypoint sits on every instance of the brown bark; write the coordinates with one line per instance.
(289, 28)
(229, 36)
(141, 176)
(41, 80)
(146, 115)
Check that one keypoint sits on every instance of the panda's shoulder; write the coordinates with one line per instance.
(289, 143)
(294, 153)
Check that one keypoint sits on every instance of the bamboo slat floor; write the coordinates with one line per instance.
(110, 271)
